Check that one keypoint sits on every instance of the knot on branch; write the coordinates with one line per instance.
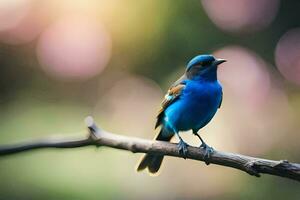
(283, 165)
(134, 148)
(94, 131)
(251, 168)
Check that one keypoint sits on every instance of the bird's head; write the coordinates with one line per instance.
(203, 67)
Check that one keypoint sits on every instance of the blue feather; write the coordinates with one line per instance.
(197, 97)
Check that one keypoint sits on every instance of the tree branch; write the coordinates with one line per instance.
(98, 137)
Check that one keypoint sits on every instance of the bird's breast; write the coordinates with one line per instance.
(203, 93)
(202, 98)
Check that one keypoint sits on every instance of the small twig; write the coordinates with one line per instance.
(98, 137)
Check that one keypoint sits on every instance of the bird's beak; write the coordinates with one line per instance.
(219, 61)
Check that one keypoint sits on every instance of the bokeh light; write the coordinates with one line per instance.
(74, 48)
(131, 101)
(12, 12)
(250, 96)
(241, 15)
(287, 55)
(26, 30)
(245, 75)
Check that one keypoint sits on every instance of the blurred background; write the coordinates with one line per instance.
(61, 60)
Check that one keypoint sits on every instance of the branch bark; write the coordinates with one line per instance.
(98, 137)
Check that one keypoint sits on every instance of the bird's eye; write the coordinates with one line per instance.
(204, 63)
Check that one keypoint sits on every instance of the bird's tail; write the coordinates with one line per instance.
(151, 161)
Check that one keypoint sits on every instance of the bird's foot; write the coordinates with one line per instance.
(208, 151)
(182, 148)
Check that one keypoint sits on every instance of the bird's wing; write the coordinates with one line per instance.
(173, 93)
(221, 100)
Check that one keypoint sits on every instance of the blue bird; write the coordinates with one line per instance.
(190, 104)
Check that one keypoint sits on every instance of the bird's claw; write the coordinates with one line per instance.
(208, 151)
(182, 148)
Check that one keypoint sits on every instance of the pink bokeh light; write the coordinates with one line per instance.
(74, 48)
(241, 15)
(245, 76)
(254, 102)
(287, 55)
(131, 100)
(12, 12)
(26, 30)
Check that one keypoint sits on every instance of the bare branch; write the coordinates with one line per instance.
(98, 137)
